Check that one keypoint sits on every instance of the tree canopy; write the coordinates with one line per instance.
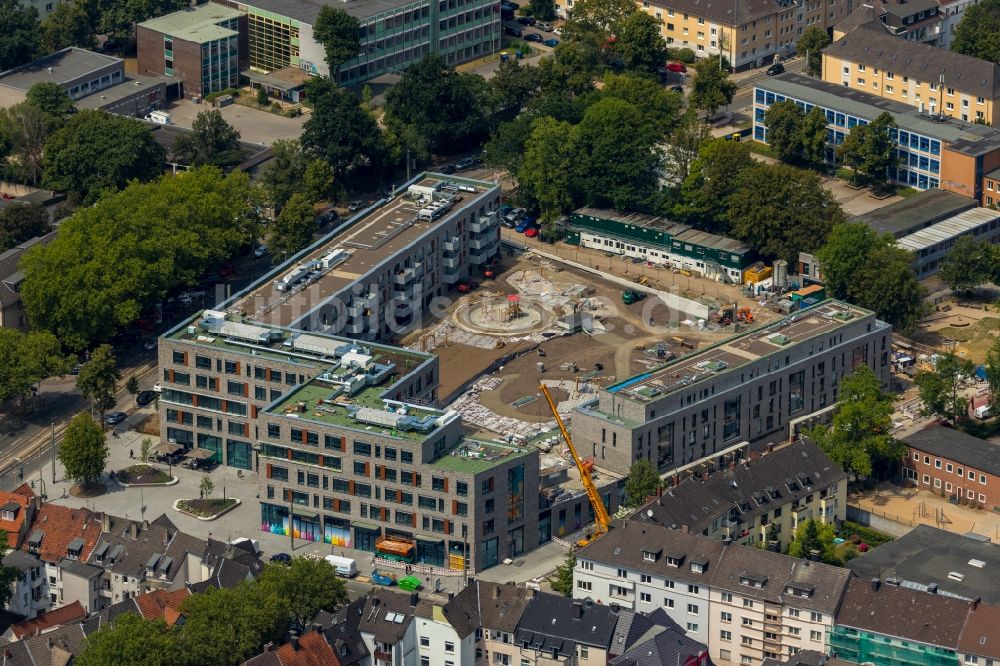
(24, 132)
(813, 535)
(285, 172)
(118, 18)
(992, 367)
(642, 482)
(84, 451)
(22, 222)
(293, 228)
(784, 122)
(563, 581)
(810, 45)
(49, 97)
(340, 132)
(871, 150)
(26, 359)
(97, 151)
(20, 40)
(968, 264)
(98, 378)
(639, 43)
(212, 142)
(859, 438)
(339, 34)
(131, 640)
(307, 586)
(977, 32)
(941, 388)
(69, 24)
(112, 261)
(712, 87)
(602, 15)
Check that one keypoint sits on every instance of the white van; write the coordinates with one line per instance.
(159, 117)
(344, 566)
(983, 412)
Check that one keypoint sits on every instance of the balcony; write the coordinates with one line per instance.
(450, 278)
(450, 262)
(481, 243)
(483, 224)
(355, 328)
(482, 257)
(405, 276)
(453, 244)
(383, 656)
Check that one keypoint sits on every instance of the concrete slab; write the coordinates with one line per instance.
(254, 126)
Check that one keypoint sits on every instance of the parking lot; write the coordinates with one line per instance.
(254, 126)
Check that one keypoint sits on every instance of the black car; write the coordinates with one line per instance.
(281, 558)
(525, 20)
(775, 69)
(447, 169)
(533, 37)
(145, 397)
(513, 31)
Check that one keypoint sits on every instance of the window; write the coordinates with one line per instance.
(692, 626)
(948, 468)
(362, 448)
(746, 640)
(937, 464)
(744, 659)
(692, 589)
(425, 641)
(793, 612)
(727, 597)
(692, 609)
(726, 635)
(584, 585)
(746, 622)
(646, 597)
(815, 635)
(449, 647)
(816, 617)
(748, 603)
(727, 617)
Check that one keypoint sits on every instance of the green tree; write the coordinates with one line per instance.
(714, 175)
(639, 43)
(442, 105)
(262, 97)
(97, 151)
(144, 448)
(642, 482)
(785, 122)
(780, 210)
(285, 171)
(712, 87)
(852, 151)
(206, 487)
(814, 137)
(69, 24)
(26, 359)
(340, 132)
(563, 581)
(226, 627)
(84, 451)
(870, 149)
(131, 640)
(968, 264)
(813, 535)
(98, 379)
(21, 39)
(976, 32)
(992, 367)
(846, 251)
(318, 181)
(859, 438)
(546, 175)
(22, 222)
(212, 142)
(941, 388)
(339, 34)
(686, 140)
(602, 15)
(506, 148)
(308, 586)
(8, 575)
(118, 19)
(543, 10)
(294, 227)
(132, 386)
(510, 88)
(811, 45)
(660, 107)
(25, 130)
(49, 97)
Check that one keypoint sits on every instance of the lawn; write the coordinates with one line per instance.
(858, 539)
(206, 508)
(761, 148)
(143, 474)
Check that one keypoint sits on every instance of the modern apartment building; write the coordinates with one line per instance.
(204, 45)
(745, 603)
(659, 241)
(934, 151)
(744, 389)
(394, 34)
(937, 80)
(761, 501)
(762, 29)
(376, 274)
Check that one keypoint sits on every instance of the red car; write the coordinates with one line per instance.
(531, 232)
(676, 67)
(466, 287)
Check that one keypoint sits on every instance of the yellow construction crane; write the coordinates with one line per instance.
(602, 520)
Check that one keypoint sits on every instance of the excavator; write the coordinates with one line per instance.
(602, 521)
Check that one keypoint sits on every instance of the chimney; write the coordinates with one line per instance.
(496, 592)
(685, 529)
(270, 646)
(975, 603)
(876, 583)
(134, 529)
(727, 541)
(451, 595)
(932, 588)
(166, 537)
(578, 609)
(106, 522)
(145, 525)
(294, 642)
(770, 447)
(414, 598)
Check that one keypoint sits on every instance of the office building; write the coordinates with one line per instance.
(204, 46)
(745, 389)
(934, 151)
(92, 80)
(960, 566)
(376, 274)
(911, 72)
(745, 603)
(659, 241)
(394, 34)
(757, 502)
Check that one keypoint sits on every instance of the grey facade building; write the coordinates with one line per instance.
(744, 389)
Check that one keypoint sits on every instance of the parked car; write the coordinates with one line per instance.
(676, 67)
(526, 20)
(466, 287)
(544, 27)
(465, 163)
(523, 226)
(447, 168)
(145, 397)
(149, 345)
(260, 252)
(354, 206)
(513, 31)
(551, 42)
(533, 37)
(531, 232)
(557, 32)
(114, 418)
(775, 69)
(514, 215)
(281, 558)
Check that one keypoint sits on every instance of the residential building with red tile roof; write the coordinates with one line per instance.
(55, 528)
(17, 508)
(979, 642)
(154, 605)
(311, 649)
(74, 612)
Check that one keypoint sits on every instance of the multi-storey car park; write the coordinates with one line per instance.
(741, 390)
(373, 277)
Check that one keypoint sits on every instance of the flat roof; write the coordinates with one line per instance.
(472, 456)
(306, 11)
(980, 454)
(951, 228)
(964, 137)
(132, 84)
(923, 208)
(739, 350)
(678, 231)
(285, 79)
(198, 24)
(370, 238)
(60, 67)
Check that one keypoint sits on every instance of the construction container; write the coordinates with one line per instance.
(812, 291)
(757, 273)
(780, 273)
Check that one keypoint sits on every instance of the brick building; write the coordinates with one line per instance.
(958, 466)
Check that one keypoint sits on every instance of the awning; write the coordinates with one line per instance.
(426, 540)
(167, 448)
(306, 514)
(199, 454)
(366, 526)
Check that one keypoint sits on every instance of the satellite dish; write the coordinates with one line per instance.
(649, 513)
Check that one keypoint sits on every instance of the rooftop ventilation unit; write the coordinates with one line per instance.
(779, 339)
(843, 315)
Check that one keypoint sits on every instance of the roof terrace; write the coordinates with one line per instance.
(472, 456)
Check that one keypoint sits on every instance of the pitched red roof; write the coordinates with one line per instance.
(153, 605)
(60, 525)
(22, 496)
(979, 635)
(73, 612)
(312, 650)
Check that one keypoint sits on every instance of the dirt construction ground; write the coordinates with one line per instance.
(969, 327)
(909, 507)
